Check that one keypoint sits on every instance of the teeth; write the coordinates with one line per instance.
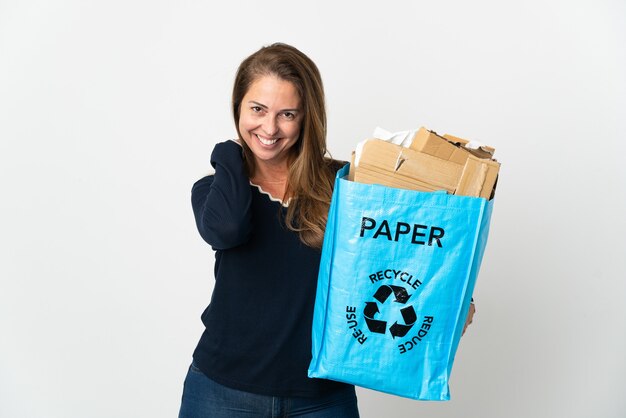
(266, 141)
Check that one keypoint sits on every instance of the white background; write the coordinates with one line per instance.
(109, 112)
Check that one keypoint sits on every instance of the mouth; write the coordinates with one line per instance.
(266, 141)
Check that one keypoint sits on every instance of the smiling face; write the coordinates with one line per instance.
(269, 120)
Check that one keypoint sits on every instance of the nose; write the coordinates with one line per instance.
(270, 127)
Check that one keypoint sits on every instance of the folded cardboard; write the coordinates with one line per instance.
(448, 147)
(398, 163)
(430, 143)
(432, 162)
(482, 151)
(478, 178)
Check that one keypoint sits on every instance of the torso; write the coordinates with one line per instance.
(259, 321)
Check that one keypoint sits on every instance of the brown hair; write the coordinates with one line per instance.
(311, 174)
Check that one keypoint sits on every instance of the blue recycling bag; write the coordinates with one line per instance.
(397, 273)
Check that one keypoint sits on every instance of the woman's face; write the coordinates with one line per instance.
(269, 119)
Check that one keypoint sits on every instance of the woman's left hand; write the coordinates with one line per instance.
(470, 316)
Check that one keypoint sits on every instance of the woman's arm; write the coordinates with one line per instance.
(221, 202)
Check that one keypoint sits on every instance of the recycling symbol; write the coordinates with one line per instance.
(380, 327)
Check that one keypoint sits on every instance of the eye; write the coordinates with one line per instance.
(256, 109)
(289, 115)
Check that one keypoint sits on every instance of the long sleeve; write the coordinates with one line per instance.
(221, 202)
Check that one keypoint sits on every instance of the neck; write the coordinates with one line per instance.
(270, 173)
(272, 179)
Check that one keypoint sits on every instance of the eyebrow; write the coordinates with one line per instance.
(265, 107)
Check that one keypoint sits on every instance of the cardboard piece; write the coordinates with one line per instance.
(483, 151)
(431, 163)
(406, 165)
(430, 143)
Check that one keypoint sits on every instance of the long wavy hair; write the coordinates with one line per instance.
(311, 173)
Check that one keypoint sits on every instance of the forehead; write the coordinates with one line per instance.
(272, 91)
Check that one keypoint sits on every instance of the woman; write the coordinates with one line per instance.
(264, 212)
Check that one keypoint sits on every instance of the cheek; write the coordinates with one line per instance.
(293, 130)
(244, 132)
(245, 125)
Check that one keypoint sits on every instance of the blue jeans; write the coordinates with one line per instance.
(204, 398)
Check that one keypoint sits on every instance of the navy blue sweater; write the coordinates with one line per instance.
(258, 324)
